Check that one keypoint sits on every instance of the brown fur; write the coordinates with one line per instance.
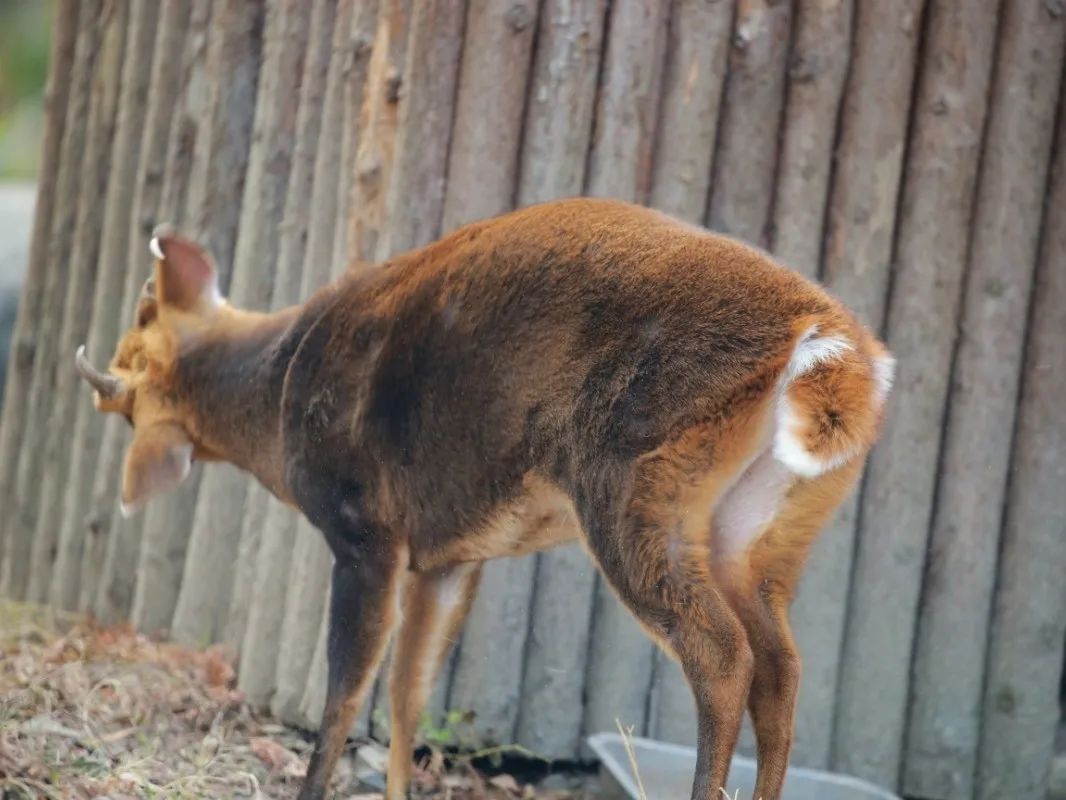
(582, 368)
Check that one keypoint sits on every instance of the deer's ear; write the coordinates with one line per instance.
(185, 273)
(158, 460)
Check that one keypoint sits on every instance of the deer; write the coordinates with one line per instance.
(584, 369)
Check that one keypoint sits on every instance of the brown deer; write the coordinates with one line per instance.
(687, 408)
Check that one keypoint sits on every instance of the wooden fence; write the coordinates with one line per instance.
(909, 153)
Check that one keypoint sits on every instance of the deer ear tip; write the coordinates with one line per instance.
(163, 230)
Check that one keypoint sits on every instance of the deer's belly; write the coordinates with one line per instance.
(541, 517)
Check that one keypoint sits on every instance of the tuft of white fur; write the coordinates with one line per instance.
(813, 350)
(449, 593)
(884, 374)
(790, 451)
(788, 448)
(155, 248)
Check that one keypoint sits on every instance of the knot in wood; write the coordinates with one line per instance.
(518, 17)
(393, 82)
(24, 351)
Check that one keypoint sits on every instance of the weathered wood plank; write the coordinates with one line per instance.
(559, 123)
(493, 82)
(817, 68)
(215, 188)
(292, 239)
(620, 656)
(49, 466)
(66, 391)
(940, 758)
(108, 305)
(855, 266)
(746, 157)
(366, 212)
(562, 97)
(558, 130)
(24, 479)
(107, 587)
(693, 84)
(206, 583)
(415, 199)
(1025, 658)
(497, 53)
(62, 78)
(931, 253)
(354, 26)
(312, 560)
(861, 218)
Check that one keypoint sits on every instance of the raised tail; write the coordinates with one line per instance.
(831, 398)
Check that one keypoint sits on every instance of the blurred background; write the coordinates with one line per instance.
(910, 154)
(24, 37)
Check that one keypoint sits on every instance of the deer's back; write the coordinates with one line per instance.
(554, 341)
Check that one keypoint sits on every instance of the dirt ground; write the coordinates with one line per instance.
(87, 711)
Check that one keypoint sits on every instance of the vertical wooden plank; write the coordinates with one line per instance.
(23, 479)
(62, 78)
(42, 471)
(1025, 659)
(415, 200)
(742, 190)
(66, 389)
(818, 65)
(204, 595)
(216, 185)
(856, 261)
(620, 658)
(430, 77)
(312, 560)
(493, 80)
(931, 251)
(108, 309)
(558, 129)
(378, 120)
(354, 26)
(940, 758)
(109, 558)
(292, 239)
(305, 604)
(562, 96)
(497, 49)
(693, 84)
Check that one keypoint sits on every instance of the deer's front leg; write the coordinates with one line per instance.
(362, 613)
(435, 606)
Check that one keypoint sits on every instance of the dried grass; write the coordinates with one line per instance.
(88, 711)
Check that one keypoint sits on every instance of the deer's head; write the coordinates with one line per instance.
(177, 304)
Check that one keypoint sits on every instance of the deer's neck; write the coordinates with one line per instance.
(232, 379)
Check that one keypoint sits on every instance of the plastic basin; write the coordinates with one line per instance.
(666, 772)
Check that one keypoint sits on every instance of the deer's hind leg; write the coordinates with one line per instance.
(652, 540)
(759, 582)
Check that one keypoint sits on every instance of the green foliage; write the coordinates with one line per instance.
(456, 730)
(25, 29)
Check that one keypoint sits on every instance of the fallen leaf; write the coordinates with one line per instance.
(271, 753)
(506, 782)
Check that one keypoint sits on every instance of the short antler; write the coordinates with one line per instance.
(107, 385)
